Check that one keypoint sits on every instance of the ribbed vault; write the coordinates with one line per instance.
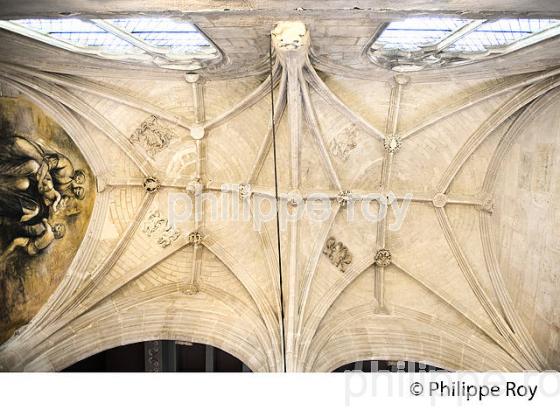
(432, 282)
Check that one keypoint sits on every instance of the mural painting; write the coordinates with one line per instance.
(46, 199)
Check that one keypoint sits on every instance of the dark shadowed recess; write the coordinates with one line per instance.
(401, 366)
(160, 356)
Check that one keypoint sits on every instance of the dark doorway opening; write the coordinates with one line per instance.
(392, 366)
(160, 356)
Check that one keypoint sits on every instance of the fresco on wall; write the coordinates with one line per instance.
(46, 199)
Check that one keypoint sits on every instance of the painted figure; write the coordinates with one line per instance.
(35, 184)
(43, 235)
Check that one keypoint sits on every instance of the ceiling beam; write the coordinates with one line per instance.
(10, 9)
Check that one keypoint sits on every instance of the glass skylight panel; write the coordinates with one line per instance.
(500, 33)
(179, 36)
(412, 33)
(48, 26)
(106, 42)
(79, 33)
(166, 42)
(430, 42)
(153, 25)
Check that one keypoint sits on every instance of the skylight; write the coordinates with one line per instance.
(163, 41)
(175, 35)
(501, 33)
(422, 42)
(79, 33)
(413, 33)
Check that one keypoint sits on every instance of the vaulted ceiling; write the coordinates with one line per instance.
(463, 271)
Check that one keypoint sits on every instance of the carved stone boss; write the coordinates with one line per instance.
(383, 258)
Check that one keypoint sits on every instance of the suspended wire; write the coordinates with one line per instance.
(282, 333)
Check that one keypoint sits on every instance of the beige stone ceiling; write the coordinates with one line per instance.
(473, 281)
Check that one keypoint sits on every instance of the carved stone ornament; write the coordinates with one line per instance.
(290, 40)
(152, 135)
(151, 184)
(392, 144)
(343, 198)
(168, 236)
(195, 238)
(383, 258)
(295, 198)
(195, 187)
(343, 143)
(290, 35)
(158, 226)
(190, 289)
(338, 254)
(153, 223)
(440, 200)
(245, 191)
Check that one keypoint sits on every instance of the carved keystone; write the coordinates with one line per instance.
(392, 144)
(295, 198)
(245, 191)
(190, 289)
(195, 187)
(440, 200)
(343, 198)
(151, 184)
(383, 258)
(195, 238)
(197, 132)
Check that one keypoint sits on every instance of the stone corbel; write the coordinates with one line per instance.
(291, 42)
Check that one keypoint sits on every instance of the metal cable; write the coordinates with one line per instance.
(282, 333)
